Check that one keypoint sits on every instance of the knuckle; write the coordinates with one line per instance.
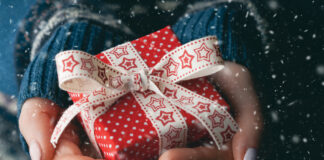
(36, 111)
(237, 68)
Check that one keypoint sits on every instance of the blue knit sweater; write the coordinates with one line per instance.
(228, 21)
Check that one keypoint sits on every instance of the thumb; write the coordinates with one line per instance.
(245, 142)
(236, 83)
(36, 123)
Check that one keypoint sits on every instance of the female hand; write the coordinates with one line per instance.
(235, 83)
(36, 123)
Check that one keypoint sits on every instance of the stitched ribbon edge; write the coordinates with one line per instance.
(64, 79)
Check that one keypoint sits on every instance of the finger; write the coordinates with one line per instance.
(247, 138)
(36, 122)
(246, 141)
(199, 153)
(236, 84)
(73, 157)
(87, 148)
(68, 143)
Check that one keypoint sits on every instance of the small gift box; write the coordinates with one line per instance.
(139, 99)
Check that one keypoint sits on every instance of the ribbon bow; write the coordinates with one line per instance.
(154, 89)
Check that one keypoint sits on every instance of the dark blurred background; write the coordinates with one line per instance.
(289, 77)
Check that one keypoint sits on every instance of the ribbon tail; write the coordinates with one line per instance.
(218, 122)
(66, 118)
(84, 103)
(165, 117)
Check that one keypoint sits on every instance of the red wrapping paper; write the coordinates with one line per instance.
(124, 131)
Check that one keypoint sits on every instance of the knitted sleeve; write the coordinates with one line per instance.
(232, 23)
(40, 78)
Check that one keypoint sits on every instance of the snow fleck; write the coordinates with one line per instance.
(274, 116)
(271, 31)
(292, 103)
(308, 57)
(320, 70)
(307, 115)
(305, 140)
(33, 86)
(273, 4)
(300, 37)
(273, 76)
(295, 139)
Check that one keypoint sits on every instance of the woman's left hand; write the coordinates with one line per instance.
(235, 83)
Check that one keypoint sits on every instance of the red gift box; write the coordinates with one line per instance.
(123, 129)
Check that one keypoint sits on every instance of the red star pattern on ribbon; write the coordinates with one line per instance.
(87, 65)
(227, 134)
(157, 73)
(203, 53)
(173, 133)
(171, 67)
(86, 115)
(128, 64)
(102, 104)
(146, 93)
(186, 59)
(119, 51)
(170, 93)
(174, 144)
(102, 91)
(115, 82)
(102, 74)
(84, 99)
(185, 100)
(217, 119)
(69, 64)
(156, 103)
(165, 117)
(202, 107)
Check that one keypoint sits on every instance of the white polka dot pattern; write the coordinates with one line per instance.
(157, 114)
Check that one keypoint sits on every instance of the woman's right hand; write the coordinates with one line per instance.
(36, 123)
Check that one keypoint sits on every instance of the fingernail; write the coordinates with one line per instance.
(250, 154)
(35, 150)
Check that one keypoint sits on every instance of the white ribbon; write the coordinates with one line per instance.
(155, 89)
